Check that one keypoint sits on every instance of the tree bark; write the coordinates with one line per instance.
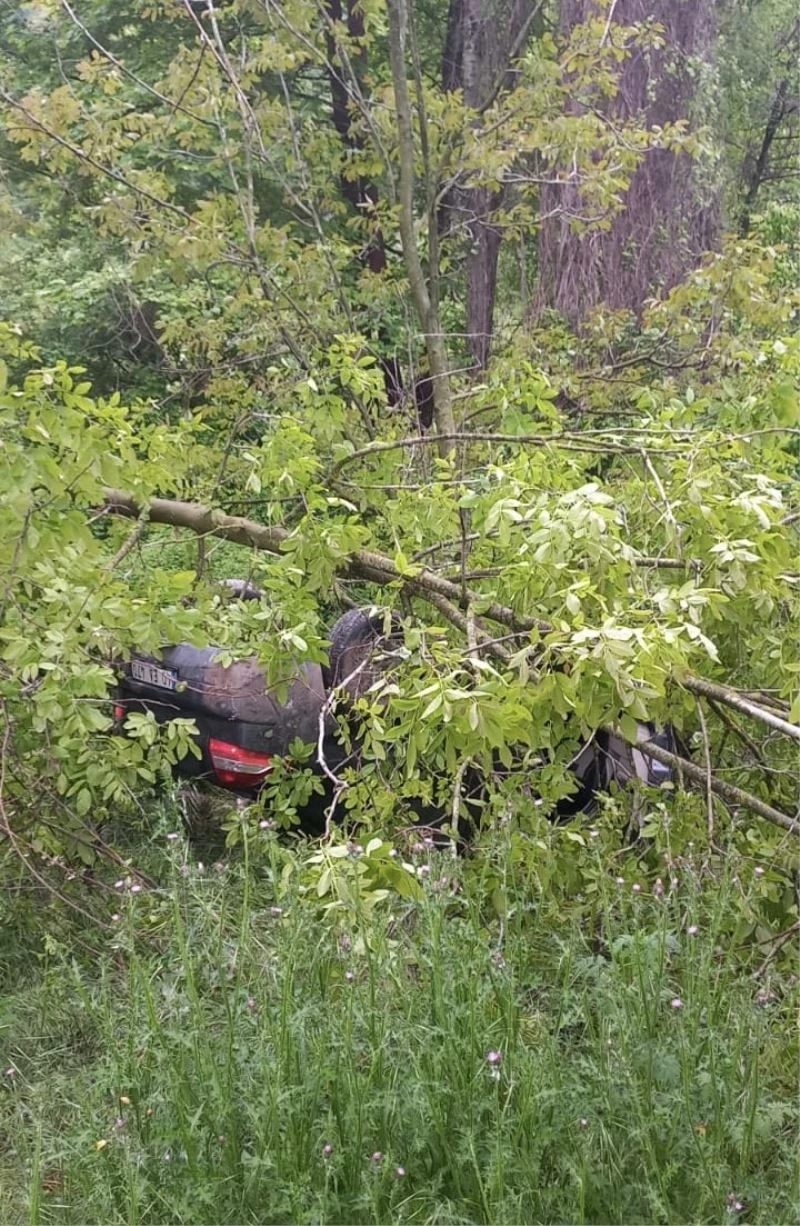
(669, 218)
(482, 39)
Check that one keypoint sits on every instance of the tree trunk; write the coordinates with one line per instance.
(482, 263)
(669, 218)
(483, 37)
(424, 291)
(360, 193)
(758, 170)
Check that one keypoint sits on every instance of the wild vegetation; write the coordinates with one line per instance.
(486, 317)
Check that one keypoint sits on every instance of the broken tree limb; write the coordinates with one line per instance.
(731, 698)
(205, 521)
(726, 791)
(361, 564)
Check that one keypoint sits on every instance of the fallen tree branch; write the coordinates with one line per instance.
(726, 791)
(449, 599)
(732, 698)
(361, 564)
(378, 568)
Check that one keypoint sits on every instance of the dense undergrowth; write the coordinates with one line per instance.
(234, 1048)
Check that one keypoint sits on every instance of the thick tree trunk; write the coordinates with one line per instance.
(670, 218)
(482, 263)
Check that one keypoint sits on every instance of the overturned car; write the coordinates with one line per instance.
(243, 728)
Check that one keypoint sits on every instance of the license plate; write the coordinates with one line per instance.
(151, 674)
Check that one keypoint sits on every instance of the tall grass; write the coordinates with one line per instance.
(234, 1055)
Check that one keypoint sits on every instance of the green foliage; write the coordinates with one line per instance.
(651, 545)
(202, 278)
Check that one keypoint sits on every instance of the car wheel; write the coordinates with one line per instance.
(360, 651)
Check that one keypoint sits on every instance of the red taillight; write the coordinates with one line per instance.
(119, 713)
(236, 767)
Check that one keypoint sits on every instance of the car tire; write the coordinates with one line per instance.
(358, 648)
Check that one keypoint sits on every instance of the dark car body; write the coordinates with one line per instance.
(242, 726)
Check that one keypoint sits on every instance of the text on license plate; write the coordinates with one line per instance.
(151, 674)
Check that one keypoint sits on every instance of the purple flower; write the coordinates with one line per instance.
(494, 1057)
(676, 1003)
(692, 930)
(327, 1149)
(377, 1157)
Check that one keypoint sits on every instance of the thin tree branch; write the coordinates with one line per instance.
(726, 791)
